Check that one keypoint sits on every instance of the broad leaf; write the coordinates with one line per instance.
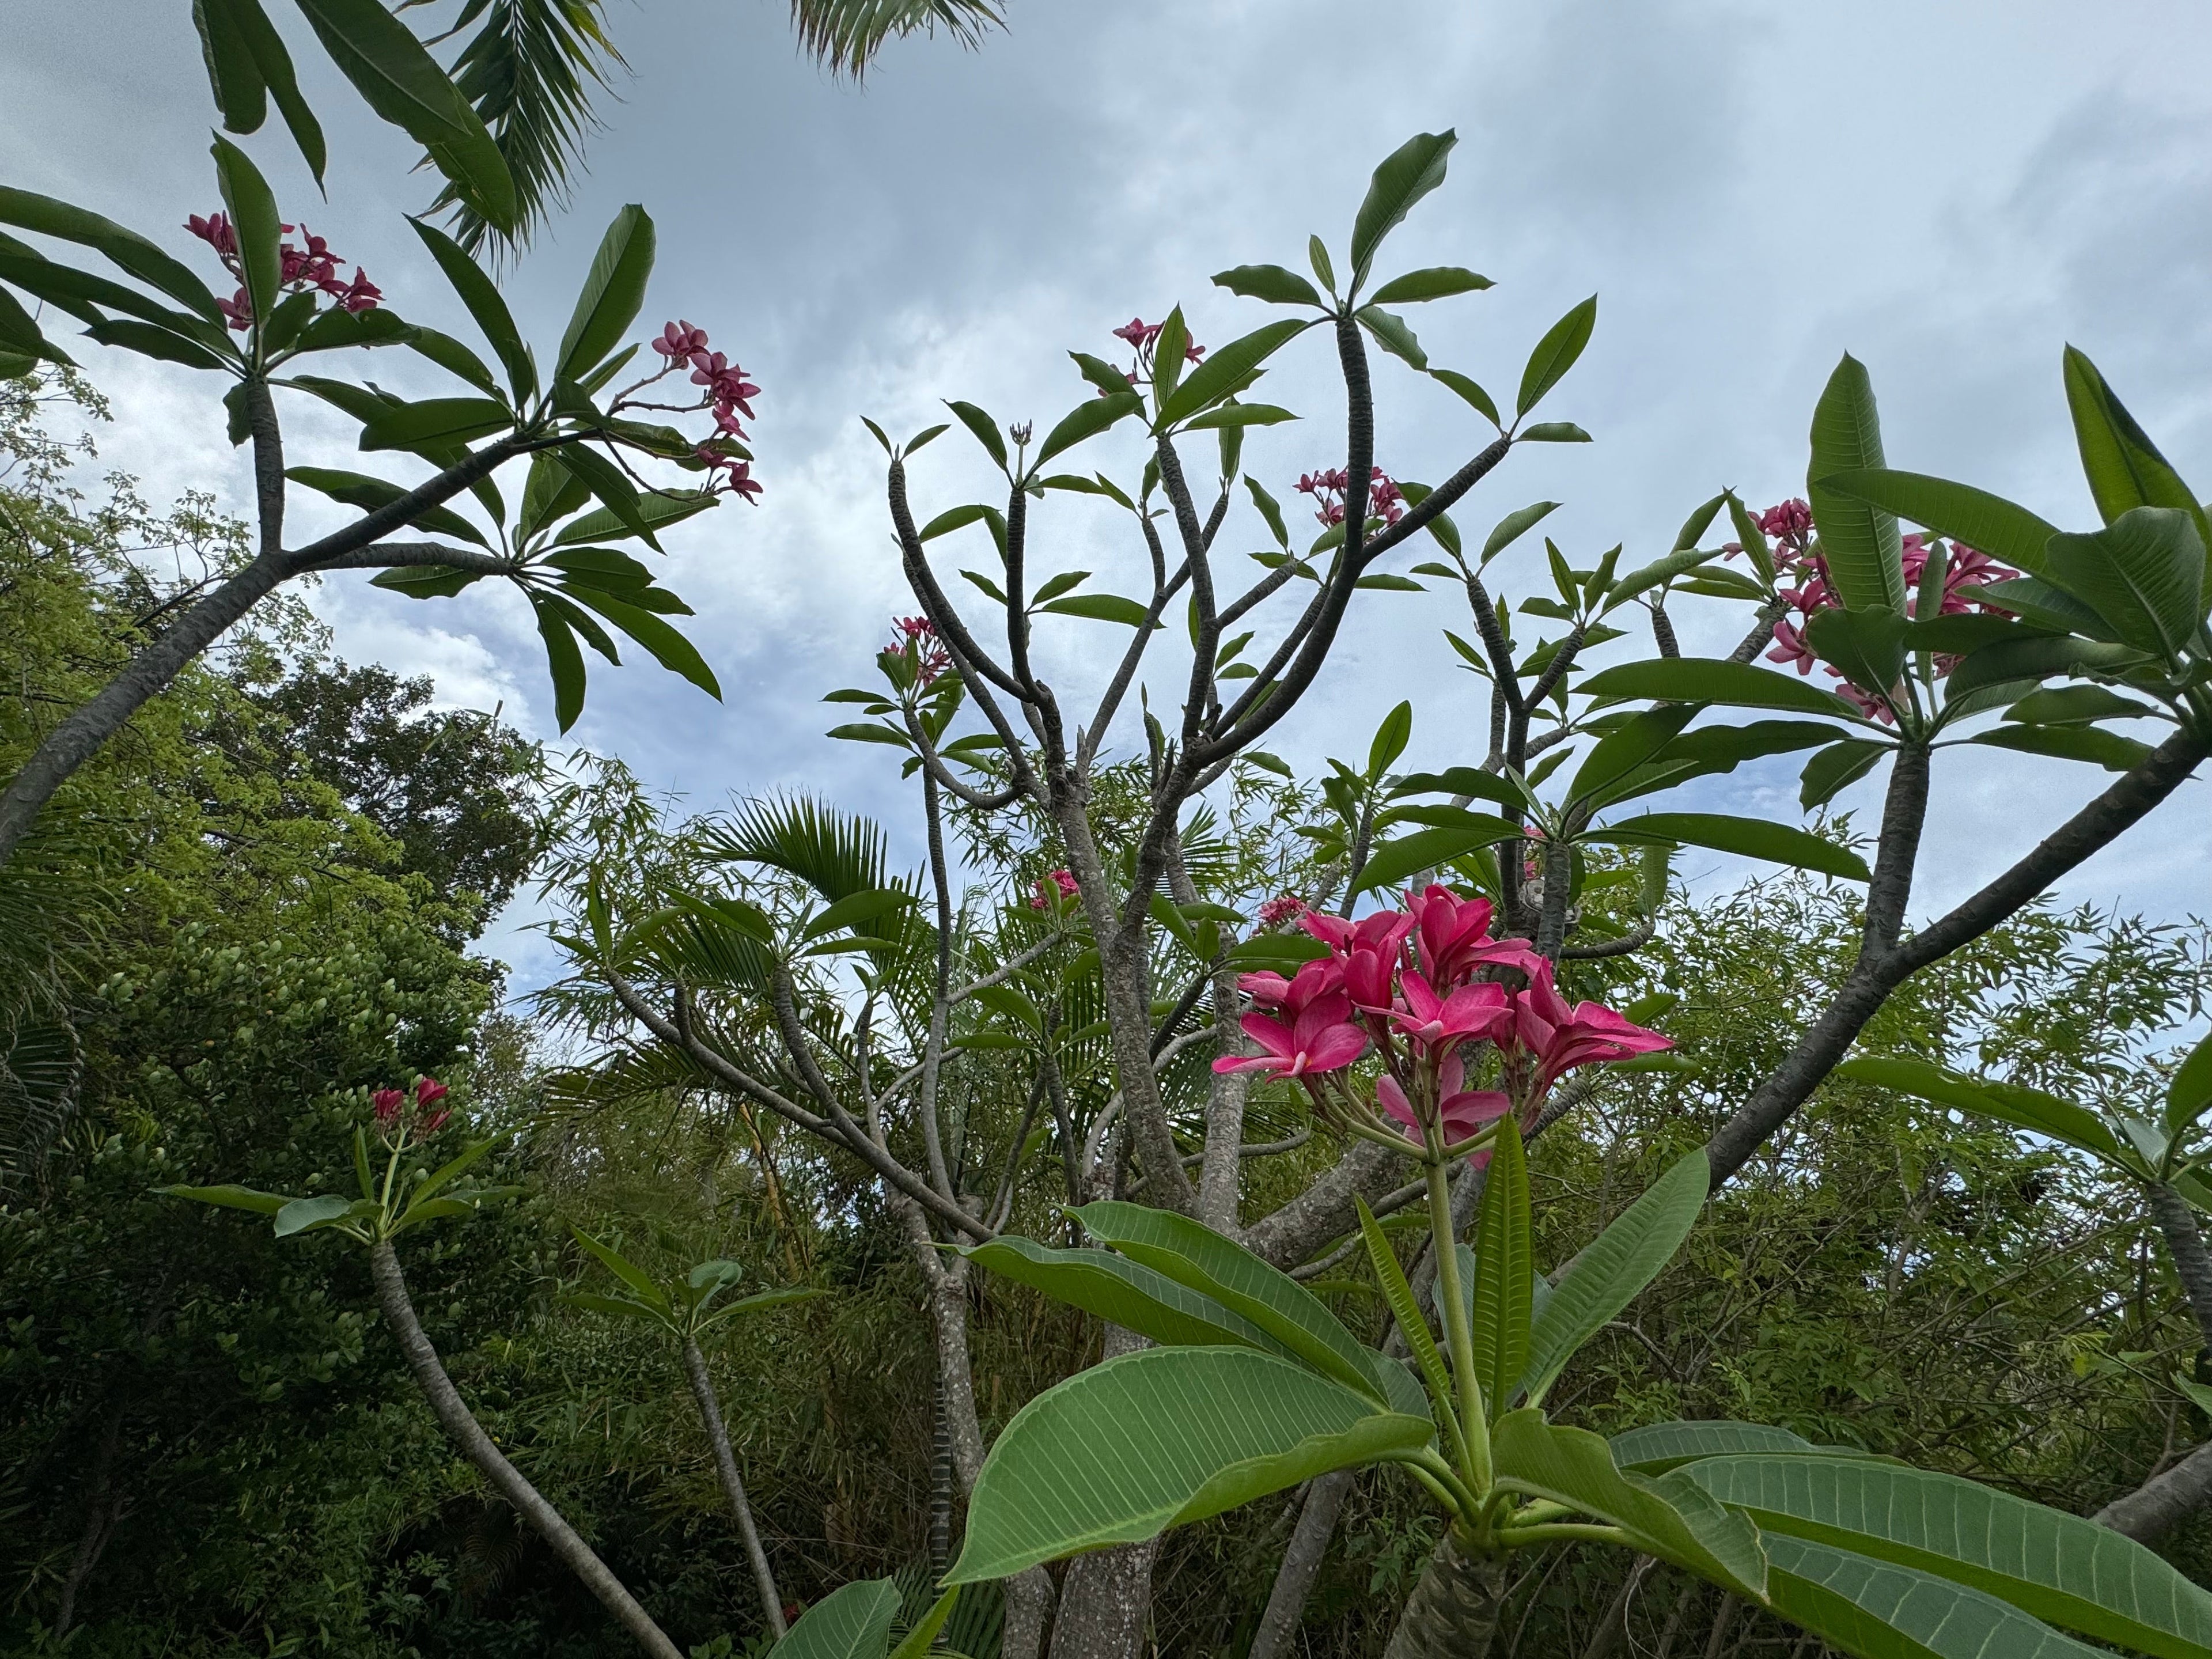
(919, 1640)
(1120, 1452)
(2058, 1567)
(1867, 644)
(1428, 849)
(641, 1283)
(1609, 1272)
(230, 1198)
(1753, 838)
(2191, 1090)
(425, 582)
(359, 491)
(1504, 1272)
(1883, 1611)
(2080, 743)
(662, 642)
(1555, 353)
(1125, 1292)
(1659, 1447)
(2144, 574)
(253, 220)
(2009, 1103)
(1099, 607)
(613, 290)
(1860, 543)
(2037, 659)
(307, 1214)
(2008, 533)
(2123, 465)
(1087, 420)
(1226, 370)
(436, 422)
(481, 297)
(1668, 1516)
(1628, 746)
(126, 248)
(1406, 1310)
(1707, 679)
(1836, 768)
(853, 1621)
(1407, 174)
(1430, 283)
(1270, 282)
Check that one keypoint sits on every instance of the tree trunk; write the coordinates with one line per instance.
(726, 1463)
(1454, 1610)
(2193, 1262)
(1106, 1598)
(1294, 1579)
(454, 1417)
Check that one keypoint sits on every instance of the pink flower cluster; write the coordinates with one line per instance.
(415, 1111)
(1422, 988)
(1283, 907)
(302, 268)
(916, 637)
(1790, 524)
(1057, 888)
(1384, 500)
(727, 391)
(1143, 338)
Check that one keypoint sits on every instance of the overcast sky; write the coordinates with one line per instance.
(1949, 191)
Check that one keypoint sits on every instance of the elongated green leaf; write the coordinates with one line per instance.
(20, 333)
(1459, 780)
(1657, 574)
(1428, 849)
(425, 582)
(1658, 1447)
(1715, 749)
(126, 248)
(358, 489)
(1194, 1255)
(2143, 573)
(1394, 335)
(1390, 740)
(1504, 1272)
(2040, 658)
(1121, 1451)
(1555, 353)
(2081, 743)
(641, 1283)
(986, 430)
(436, 421)
(2123, 466)
(1430, 282)
(662, 641)
(150, 340)
(1087, 420)
(2066, 705)
(1270, 282)
(1226, 369)
(452, 1170)
(239, 92)
(1835, 768)
(230, 1198)
(2008, 1102)
(252, 207)
(1407, 174)
(564, 659)
(1753, 838)
(1668, 1516)
(1230, 415)
(1099, 607)
(1470, 392)
(1867, 644)
(656, 510)
(481, 297)
(2007, 533)
(2191, 1090)
(1861, 542)
(1706, 680)
(1611, 1270)
(1883, 1611)
(919, 1640)
(1628, 746)
(613, 290)
(307, 1214)
(1126, 1293)
(403, 83)
(618, 1307)
(2057, 1567)
(853, 1621)
(1406, 1310)
(273, 64)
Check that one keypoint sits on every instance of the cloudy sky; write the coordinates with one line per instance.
(1948, 190)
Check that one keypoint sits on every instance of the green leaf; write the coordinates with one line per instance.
(436, 421)
(619, 1307)
(425, 582)
(612, 486)
(1753, 838)
(2007, 533)
(661, 641)
(1657, 574)
(1087, 420)
(1460, 780)
(239, 92)
(1100, 607)
(1835, 768)
(1707, 679)
(613, 290)
(1120, 1452)
(446, 1173)
(1270, 282)
(481, 297)
(1407, 174)
(1430, 282)
(2036, 657)
(1884, 1612)
(641, 1283)
(1553, 432)
(1514, 526)
(253, 216)
(924, 1634)
(1668, 1516)
(1238, 415)
(851, 911)
(863, 732)
(1504, 1272)
(2055, 1566)
(272, 64)
(1867, 644)
(657, 510)
(985, 429)
(1225, 371)
(1628, 746)
(1612, 1269)
(1470, 393)
(358, 491)
(1864, 551)
(2143, 573)
(2191, 1090)
(230, 1198)
(2124, 467)
(853, 1621)
(126, 248)
(403, 83)
(1392, 334)
(1390, 740)
(2066, 705)
(1406, 1310)
(1196, 1256)
(2079, 743)
(1555, 353)
(307, 1214)
(149, 341)
(1658, 1447)
(1125, 1292)
(564, 660)
(1427, 849)
(19, 334)
(2009, 1103)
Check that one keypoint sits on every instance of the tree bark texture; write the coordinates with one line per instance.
(1294, 1579)
(733, 1489)
(1454, 1610)
(461, 1426)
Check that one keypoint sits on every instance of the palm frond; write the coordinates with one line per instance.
(531, 71)
(845, 35)
(834, 852)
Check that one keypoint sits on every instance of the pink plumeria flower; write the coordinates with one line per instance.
(1438, 1024)
(1321, 1039)
(1561, 1038)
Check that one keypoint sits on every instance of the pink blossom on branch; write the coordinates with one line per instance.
(1057, 887)
(1282, 908)
(1559, 1038)
(1385, 499)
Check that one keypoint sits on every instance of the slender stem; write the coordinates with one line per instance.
(726, 1463)
(1459, 1332)
(1520, 1537)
